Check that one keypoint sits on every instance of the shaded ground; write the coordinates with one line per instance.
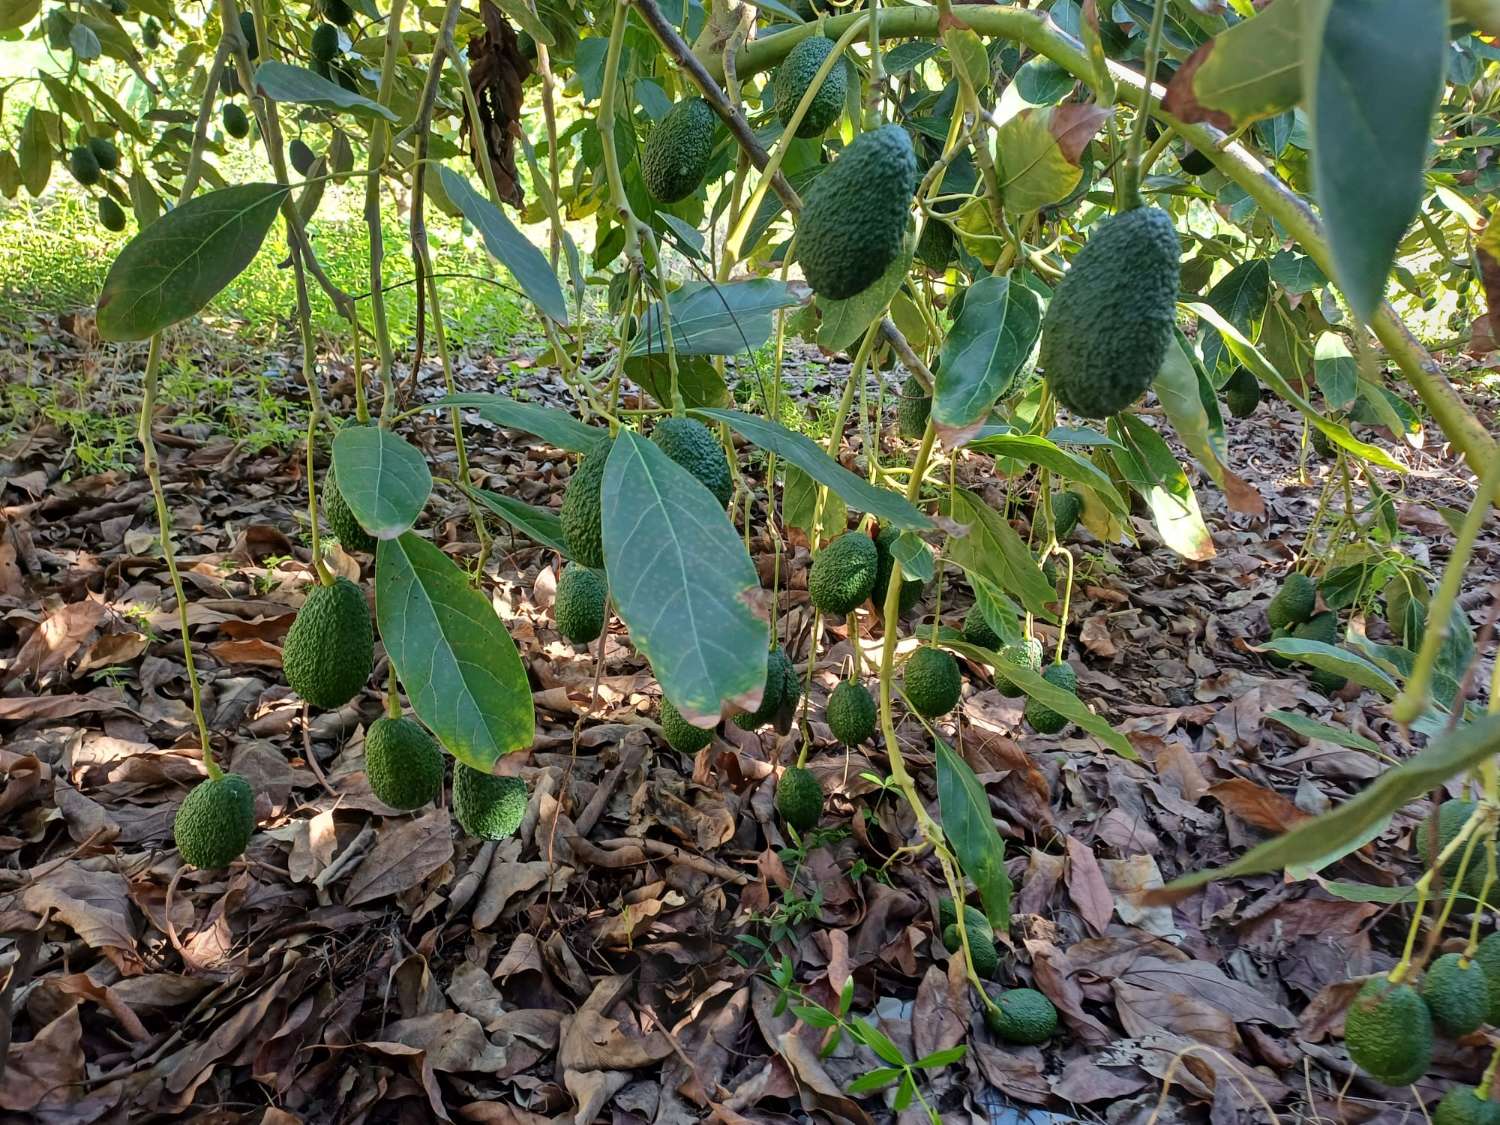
(361, 966)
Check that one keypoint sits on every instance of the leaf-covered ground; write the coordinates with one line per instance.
(359, 966)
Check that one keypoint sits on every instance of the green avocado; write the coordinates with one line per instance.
(911, 589)
(84, 165)
(403, 763)
(1111, 316)
(247, 29)
(1457, 994)
(912, 409)
(329, 650)
(1488, 956)
(338, 11)
(325, 42)
(1025, 1016)
(974, 918)
(977, 630)
(981, 946)
(236, 124)
(693, 446)
(579, 609)
(485, 806)
(1066, 508)
(1042, 718)
(350, 532)
(854, 219)
(843, 573)
(1241, 393)
(150, 34)
(799, 798)
(1293, 603)
(111, 217)
(794, 76)
(677, 151)
(1462, 1105)
(935, 245)
(851, 713)
(581, 512)
(1028, 654)
(302, 157)
(214, 822)
(105, 153)
(680, 734)
(1388, 1032)
(932, 682)
(779, 696)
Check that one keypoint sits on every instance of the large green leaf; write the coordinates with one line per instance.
(985, 349)
(1331, 658)
(1337, 372)
(508, 246)
(846, 321)
(698, 381)
(1050, 695)
(283, 82)
(970, 828)
(1240, 295)
(799, 501)
(1262, 369)
(682, 581)
(1149, 466)
(175, 266)
(1193, 409)
(1033, 449)
(1449, 754)
(553, 425)
(1312, 728)
(857, 492)
(16, 14)
(382, 477)
(1374, 77)
(539, 524)
(1039, 153)
(460, 667)
(1249, 71)
(709, 319)
(992, 549)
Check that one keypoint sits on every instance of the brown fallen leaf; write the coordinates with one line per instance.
(404, 855)
(1255, 804)
(46, 1069)
(53, 642)
(1086, 886)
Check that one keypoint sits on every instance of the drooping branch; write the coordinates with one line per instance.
(1037, 31)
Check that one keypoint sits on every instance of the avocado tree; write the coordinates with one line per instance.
(1041, 215)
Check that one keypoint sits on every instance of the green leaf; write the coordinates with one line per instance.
(1148, 466)
(538, 524)
(525, 17)
(804, 453)
(1032, 449)
(383, 478)
(174, 267)
(709, 319)
(1241, 296)
(1038, 154)
(283, 82)
(1179, 388)
(914, 556)
(459, 666)
(16, 14)
(993, 550)
(553, 425)
(941, 1058)
(814, 1016)
(799, 499)
(1337, 372)
(1296, 273)
(1331, 658)
(1311, 728)
(1449, 754)
(969, 826)
(1247, 354)
(682, 582)
(1374, 77)
(873, 1080)
(846, 321)
(1365, 892)
(698, 382)
(875, 1039)
(34, 152)
(986, 348)
(1248, 71)
(508, 246)
(1050, 695)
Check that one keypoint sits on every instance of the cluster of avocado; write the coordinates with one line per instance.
(1291, 612)
(88, 162)
(1026, 654)
(1021, 1015)
(1389, 1027)
(1110, 320)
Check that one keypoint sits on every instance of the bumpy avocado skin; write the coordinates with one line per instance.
(912, 409)
(403, 763)
(794, 76)
(215, 821)
(911, 589)
(1066, 508)
(851, 713)
(799, 798)
(1110, 320)
(1388, 1031)
(581, 511)
(1457, 994)
(843, 574)
(330, 648)
(782, 690)
(977, 630)
(1488, 956)
(1293, 603)
(582, 596)
(1025, 1016)
(981, 946)
(1042, 718)
(677, 151)
(693, 446)
(1028, 654)
(935, 246)
(351, 534)
(487, 807)
(932, 682)
(681, 735)
(855, 215)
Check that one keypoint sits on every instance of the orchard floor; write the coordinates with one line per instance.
(361, 966)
